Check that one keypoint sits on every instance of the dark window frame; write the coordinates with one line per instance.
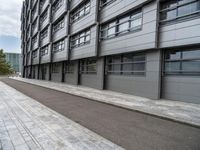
(44, 51)
(176, 9)
(180, 61)
(121, 64)
(76, 13)
(138, 15)
(106, 3)
(78, 37)
(88, 66)
(59, 46)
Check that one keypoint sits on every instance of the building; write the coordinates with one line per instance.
(149, 48)
(14, 59)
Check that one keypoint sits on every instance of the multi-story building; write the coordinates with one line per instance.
(14, 59)
(149, 48)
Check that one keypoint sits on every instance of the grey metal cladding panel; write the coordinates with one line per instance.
(75, 3)
(45, 41)
(57, 77)
(118, 7)
(60, 11)
(94, 80)
(61, 33)
(46, 58)
(72, 78)
(45, 5)
(134, 41)
(62, 55)
(36, 60)
(45, 23)
(86, 21)
(88, 50)
(179, 34)
(146, 86)
(181, 88)
(35, 45)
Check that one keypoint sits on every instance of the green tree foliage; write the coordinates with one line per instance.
(5, 67)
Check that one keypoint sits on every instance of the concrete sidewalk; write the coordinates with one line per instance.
(25, 124)
(178, 111)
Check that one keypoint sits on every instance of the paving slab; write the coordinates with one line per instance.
(26, 124)
(188, 113)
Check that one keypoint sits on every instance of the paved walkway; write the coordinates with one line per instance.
(183, 112)
(25, 124)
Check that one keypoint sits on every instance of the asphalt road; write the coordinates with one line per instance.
(129, 129)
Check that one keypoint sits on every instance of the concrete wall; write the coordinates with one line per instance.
(147, 85)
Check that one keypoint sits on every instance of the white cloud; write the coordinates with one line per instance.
(10, 12)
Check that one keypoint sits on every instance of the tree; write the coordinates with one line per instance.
(5, 67)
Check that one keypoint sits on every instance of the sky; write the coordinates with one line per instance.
(10, 13)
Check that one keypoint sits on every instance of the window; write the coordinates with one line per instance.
(175, 9)
(81, 12)
(42, 3)
(180, 62)
(69, 68)
(58, 26)
(44, 51)
(44, 16)
(129, 23)
(34, 54)
(55, 68)
(34, 40)
(80, 39)
(106, 2)
(88, 66)
(34, 25)
(127, 64)
(44, 34)
(57, 5)
(59, 46)
(34, 12)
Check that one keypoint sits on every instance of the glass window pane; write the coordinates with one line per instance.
(139, 58)
(187, 9)
(111, 32)
(125, 24)
(172, 66)
(136, 23)
(128, 58)
(191, 54)
(139, 67)
(171, 14)
(191, 66)
(173, 55)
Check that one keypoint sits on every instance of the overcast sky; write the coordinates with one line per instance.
(10, 12)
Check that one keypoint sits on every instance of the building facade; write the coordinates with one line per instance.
(149, 48)
(14, 59)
